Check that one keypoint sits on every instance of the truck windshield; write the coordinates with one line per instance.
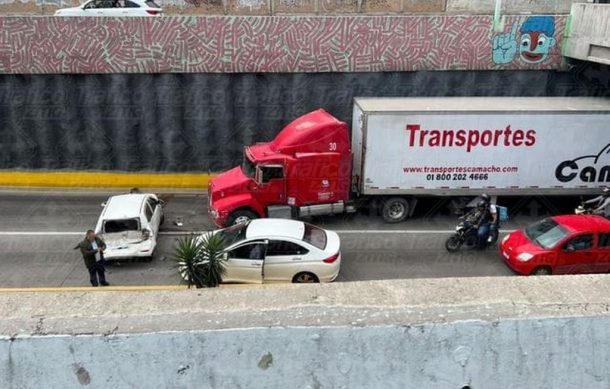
(546, 233)
(315, 236)
(234, 233)
(248, 167)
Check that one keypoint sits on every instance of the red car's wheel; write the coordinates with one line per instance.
(541, 271)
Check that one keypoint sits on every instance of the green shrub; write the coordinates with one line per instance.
(200, 260)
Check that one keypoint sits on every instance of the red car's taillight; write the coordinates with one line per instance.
(331, 259)
(152, 12)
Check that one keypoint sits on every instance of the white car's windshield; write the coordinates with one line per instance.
(546, 233)
(234, 233)
(113, 226)
(315, 236)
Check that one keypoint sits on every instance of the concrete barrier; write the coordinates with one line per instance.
(539, 332)
(174, 130)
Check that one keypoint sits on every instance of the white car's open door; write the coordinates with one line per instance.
(245, 263)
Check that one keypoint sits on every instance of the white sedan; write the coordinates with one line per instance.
(280, 250)
(113, 8)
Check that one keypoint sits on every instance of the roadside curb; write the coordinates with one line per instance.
(133, 288)
(99, 191)
(102, 179)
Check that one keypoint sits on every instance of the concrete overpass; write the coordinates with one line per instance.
(588, 35)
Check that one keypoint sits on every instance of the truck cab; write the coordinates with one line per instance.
(305, 170)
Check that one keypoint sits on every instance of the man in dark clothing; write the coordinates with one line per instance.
(92, 249)
(487, 219)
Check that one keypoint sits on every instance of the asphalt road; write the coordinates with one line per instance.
(38, 231)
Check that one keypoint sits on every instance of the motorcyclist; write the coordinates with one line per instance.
(601, 203)
(487, 219)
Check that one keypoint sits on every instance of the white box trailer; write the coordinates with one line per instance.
(467, 145)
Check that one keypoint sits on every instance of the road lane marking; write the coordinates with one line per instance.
(402, 231)
(180, 233)
(39, 233)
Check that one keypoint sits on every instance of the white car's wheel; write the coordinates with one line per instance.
(305, 278)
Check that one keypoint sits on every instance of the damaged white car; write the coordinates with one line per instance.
(129, 224)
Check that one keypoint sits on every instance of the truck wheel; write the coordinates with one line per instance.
(241, 216)
(395, 210)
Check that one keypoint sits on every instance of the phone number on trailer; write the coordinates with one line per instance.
(457, 177)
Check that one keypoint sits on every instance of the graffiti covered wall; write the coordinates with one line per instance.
(252, 44)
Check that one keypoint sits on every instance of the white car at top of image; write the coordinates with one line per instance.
(279, 250)
(115, 8)
(129, 225)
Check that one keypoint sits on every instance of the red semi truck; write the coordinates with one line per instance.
(403, 148)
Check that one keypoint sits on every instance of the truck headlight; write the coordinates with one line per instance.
(524, 257)
(505, 238)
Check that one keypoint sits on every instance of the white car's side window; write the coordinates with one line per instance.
(254, 251)
(97, 4)
(153, 203)
(282, 247)
(148, 212)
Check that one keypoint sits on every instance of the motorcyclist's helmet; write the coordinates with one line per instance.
(486, 198)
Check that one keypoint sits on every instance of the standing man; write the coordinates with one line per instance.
(92, 249)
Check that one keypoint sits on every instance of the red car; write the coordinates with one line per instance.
(566, 244)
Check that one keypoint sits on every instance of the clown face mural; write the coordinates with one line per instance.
(534, 44)
(537, 39)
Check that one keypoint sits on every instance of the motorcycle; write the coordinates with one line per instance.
(466, 236)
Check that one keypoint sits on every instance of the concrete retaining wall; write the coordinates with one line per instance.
(499, 332)
(200, 122)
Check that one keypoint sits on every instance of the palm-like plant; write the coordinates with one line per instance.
(212, 248)
(200, 261)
